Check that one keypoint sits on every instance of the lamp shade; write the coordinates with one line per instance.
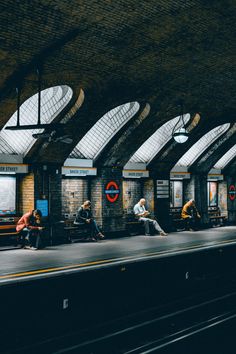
(180, 135)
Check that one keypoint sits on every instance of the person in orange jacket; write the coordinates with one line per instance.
(191, 215)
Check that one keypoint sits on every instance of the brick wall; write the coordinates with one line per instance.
(148, 194)
(131, 194)
(74, 193)
(26, 194)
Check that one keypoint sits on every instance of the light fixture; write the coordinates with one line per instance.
(179, 132)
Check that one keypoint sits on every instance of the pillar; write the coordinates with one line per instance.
(107, 201)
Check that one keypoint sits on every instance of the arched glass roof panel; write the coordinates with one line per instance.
(226, 158)
(53, 100)
(155, 143)
(102, 132)
(201, 145)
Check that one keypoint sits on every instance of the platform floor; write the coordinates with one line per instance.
(19, 264)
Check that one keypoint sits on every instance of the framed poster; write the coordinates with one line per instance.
(176, 194)
(7, 195)
(212, 193)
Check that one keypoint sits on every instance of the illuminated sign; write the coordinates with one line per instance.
(232, 192)
(112, 191)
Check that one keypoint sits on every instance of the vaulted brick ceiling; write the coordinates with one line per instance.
(120, 51)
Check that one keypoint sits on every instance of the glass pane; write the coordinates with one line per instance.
(226, 158)
(201, 145)
(101, 133)
(53, 100)
(156, 142)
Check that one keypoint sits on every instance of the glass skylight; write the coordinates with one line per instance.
(201, 145)
(226, 158)
(155, 143)
(101, 133)
(53, 100)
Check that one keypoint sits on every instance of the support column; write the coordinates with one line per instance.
(161, 186)
(231, 199)
(106, 198)
(200, 191)
(47, 186)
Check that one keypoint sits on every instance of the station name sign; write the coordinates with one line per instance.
(12, 169)
(216, 177)
(179, 175)
(79, 171)
(135, 173)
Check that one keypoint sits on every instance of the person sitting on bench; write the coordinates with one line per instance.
(141, 213)
(32, 223)
(191, 215)
(84, 217)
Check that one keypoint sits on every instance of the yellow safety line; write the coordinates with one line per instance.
(112, 260)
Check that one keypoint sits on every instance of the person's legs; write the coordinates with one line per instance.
(156, 226)
(96, 231)
(38, 240)
(146, 225)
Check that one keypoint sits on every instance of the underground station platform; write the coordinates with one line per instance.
(136, 294)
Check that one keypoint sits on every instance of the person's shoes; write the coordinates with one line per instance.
(30, 248)
(100, 236)
(163, 233)
(147, 235)
(92, 239)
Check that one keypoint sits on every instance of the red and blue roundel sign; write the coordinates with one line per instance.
(112, 191)
(232, 192)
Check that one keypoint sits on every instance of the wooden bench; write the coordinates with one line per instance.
(133, 226)
(215, 217)
(178, 223)
(74, 232)
(8, 233)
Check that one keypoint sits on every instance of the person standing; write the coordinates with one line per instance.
(141, 213)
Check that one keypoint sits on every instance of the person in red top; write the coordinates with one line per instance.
(31, 222)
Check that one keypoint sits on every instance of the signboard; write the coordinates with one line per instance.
(180, 175)
(215, 177)
(71, 171)
(232, 192)
(12, 169)
(135, 173)
(112, 191)
(162, 190)
(42, 204)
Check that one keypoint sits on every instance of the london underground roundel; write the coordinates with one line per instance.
(232, 192)
(112, 191)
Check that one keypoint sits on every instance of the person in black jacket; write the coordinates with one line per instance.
(84, 217)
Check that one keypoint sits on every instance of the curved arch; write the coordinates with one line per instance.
(226, 158)
(102, 132)
(156, 142)
(53, 100)
(201, 145)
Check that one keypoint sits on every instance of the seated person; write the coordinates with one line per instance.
(141, 213)
(32, 223)
(191, 215)
(84, 217)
